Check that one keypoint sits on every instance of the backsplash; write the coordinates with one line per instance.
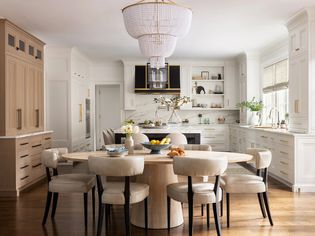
(146, 108)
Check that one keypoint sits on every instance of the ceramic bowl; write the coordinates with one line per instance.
(156, 148)
(117, 151)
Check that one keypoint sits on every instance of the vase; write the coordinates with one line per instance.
(129, 144)
(174, 118)
(254, 118)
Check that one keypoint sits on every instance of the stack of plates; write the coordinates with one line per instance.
(117, 151)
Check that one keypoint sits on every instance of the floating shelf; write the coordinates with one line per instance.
(207, 80)
(209, 109)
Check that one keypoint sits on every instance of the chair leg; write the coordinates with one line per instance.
(265, 195)
(208, 216)
(107, 209)
(216, 218)
(146, 213)
(100, 219)
(85, 208)
(261, 204)
(93, 201)
(221, 204)
(54, 205)
(168, 213)
(202, 209)
(190, 213)
(227, 199)
(127, 218)
(48, 201)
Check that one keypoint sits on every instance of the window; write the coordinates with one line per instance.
(276, 92)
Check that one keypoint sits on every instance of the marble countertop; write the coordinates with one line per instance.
(170, 129)
(26, 135)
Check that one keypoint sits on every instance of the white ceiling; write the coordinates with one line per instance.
(220, 28)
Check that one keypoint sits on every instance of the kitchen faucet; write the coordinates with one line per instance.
(272, 118)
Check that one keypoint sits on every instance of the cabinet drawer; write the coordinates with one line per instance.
(47, 138)
(285, 140)
(36, 145)
(22, 143)
(212, 140)
(23, 180)
(37, 171)
(23, 154)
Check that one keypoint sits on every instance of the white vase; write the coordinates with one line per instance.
(254, 118)
(129, 144)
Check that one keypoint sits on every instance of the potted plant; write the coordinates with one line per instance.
(255, 107)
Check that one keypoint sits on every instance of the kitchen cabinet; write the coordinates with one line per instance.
(21, 161)
(230, 86)
(21, 82)
(217, 136)
(298, 40)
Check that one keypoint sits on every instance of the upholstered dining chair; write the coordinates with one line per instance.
(119, 193)
(139, 138)
(67, 183)
(251, 183)
(108, 139)
(177, 138)
(197, 193)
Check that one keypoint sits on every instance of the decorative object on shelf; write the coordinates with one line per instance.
(210, 91)
(194, 88)
(200, 118)
(218, 89)
(219, 77)
(205, 75)
(185, 121)
(200, 90)
(157, 24)
(197, 77)
(255, 107)
(216, 105)
(174, 103)
(214, 77)
(129, 129)
(221, 120)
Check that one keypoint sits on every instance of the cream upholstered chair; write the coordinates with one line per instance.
(139, 138)
(67, 183)
(177, 138)
(196, 147)
(119, 193)
(251, 183)
(197, 193)
(108, 138)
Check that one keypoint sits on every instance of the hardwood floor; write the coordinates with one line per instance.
(293, 214)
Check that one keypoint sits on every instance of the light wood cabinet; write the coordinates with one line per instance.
(21, 81)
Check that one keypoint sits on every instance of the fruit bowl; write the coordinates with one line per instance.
(156, 148)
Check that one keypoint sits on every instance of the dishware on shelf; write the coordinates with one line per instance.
(117, 151)
(214, 77)
(156, 148)
(221, 119)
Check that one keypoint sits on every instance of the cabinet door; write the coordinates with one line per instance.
(230, 84)
(30, 98)
(16, 72)
(39, 98)
(298, 42)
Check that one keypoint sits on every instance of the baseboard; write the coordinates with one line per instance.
(303, 188)
(9, 193)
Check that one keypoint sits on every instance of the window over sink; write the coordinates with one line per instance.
(276, 91)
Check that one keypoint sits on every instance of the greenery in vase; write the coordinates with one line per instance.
(252, 105)
(174, 102)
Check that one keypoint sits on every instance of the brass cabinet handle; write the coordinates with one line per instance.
(37, 145)
(24, 156)
(24, 177)
(297, 49)
(284, 163)
(283, 141)
(23, 167)
(37, 117)
(284, 153)
(37, 165)
(296, 106)
(19, 118)
(282, 172)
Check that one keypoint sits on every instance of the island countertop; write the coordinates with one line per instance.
(187, 129)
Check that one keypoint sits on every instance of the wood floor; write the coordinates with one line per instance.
(293, 214)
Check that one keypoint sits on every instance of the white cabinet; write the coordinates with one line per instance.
(231, 97)
(216, 135)
(298, 40)
(129, 86)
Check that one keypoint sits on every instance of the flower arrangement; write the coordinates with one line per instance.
(174, 102)
(253, 105)
(130, 129)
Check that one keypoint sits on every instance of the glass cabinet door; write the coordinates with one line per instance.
(157, 78)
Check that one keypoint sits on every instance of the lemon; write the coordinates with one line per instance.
(157, 142)
(153, 142)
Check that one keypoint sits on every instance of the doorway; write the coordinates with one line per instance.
(108, 110)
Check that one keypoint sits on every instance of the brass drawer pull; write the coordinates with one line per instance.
(284, 173)
(37, 165)
(23, 167)
(23, 144)
(263, 136)
(24, 177)
(284, 163)
(19, 119)
(37, 118)
(283, 141)
(285, 153)
(37, 145)
(24, 156)
(48, 138)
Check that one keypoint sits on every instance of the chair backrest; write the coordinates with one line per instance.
(189, 166)
(196, 147)
(177, 138)
(261, 157)
(51, 157)
(139, 138)
(111, 134)
(107, 138)
(124, 166)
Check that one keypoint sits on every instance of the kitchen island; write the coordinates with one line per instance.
(192, 133)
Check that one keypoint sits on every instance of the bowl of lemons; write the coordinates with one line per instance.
(156, 145)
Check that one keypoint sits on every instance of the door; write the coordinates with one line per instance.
(108, 110)
(39, 99)
(16, 72)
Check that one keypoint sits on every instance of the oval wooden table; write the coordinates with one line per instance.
(158, 173)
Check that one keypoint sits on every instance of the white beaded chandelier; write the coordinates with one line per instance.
(157, 25)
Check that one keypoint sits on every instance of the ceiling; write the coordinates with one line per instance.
(220, 29)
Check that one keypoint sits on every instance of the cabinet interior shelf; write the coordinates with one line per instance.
(209, 109)
(207, 80)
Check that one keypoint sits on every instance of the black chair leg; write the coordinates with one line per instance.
(85, 208)
(100, 219)
(146, 213)
(168, 213)
(227, 199)
(93, 201)
(216, 218)
(202, 209)
(54, 205)
(48, 201)
(267, 207)
(261, 204)
(221, 205)
(191, 214)
(127, 218)
(208, 216)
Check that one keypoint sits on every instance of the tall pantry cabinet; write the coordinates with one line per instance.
(22, 135)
